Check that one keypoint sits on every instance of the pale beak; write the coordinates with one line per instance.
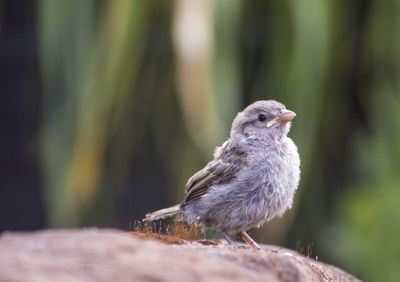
(285, 116)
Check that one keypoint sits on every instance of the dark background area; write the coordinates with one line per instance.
(21, 200)
(108, 107)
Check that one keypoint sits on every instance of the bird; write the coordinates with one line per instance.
(252, 178)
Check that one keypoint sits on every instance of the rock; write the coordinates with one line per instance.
(111, 255)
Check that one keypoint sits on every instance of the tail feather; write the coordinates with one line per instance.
(160, 214)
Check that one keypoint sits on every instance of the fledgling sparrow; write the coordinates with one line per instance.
(252, 178)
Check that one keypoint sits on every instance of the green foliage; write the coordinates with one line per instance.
(365, 241)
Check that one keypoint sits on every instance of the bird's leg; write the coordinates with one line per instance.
(228, 238)
(248, 240)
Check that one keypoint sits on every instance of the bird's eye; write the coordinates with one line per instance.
(262, 117)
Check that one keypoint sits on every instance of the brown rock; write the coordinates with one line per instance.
(112, 255)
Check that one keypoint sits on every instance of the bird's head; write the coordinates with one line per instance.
(263, 120)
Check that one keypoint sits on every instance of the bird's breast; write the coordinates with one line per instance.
(273, 177)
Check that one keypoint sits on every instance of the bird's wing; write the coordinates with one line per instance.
(219, 171)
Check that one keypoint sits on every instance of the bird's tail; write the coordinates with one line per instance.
(160, 214)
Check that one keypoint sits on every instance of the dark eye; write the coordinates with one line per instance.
(262, 117)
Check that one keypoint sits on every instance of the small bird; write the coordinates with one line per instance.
(252, 178)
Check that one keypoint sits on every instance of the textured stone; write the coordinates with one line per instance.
(112, 255)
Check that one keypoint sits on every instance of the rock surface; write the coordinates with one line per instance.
(112, 255)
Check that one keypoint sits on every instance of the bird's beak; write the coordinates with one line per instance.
(285, 116)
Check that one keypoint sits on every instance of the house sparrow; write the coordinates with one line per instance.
(252, 178)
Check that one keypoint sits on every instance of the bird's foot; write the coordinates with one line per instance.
(228, 238)
(245, 238)
(249, 240)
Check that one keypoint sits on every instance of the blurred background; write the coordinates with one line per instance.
(108, 107)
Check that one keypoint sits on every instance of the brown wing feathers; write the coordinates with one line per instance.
(220, 170)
